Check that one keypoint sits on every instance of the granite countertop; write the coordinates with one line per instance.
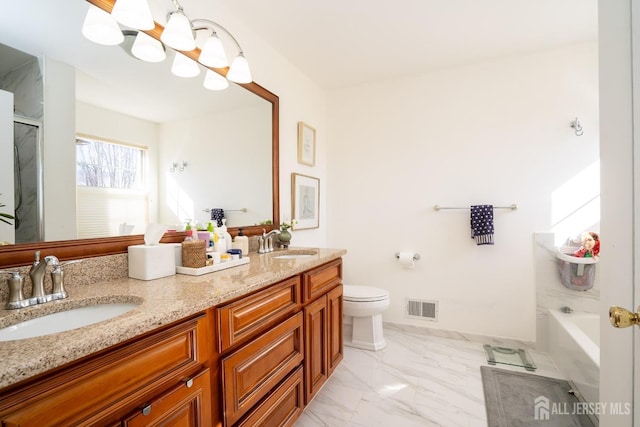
(162, 301)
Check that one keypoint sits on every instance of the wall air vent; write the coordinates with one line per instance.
(423, 309)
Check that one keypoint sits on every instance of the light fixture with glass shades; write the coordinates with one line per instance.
(103, 27)
(147, 48)
(100, 27)
(133, 13)
(184, 67)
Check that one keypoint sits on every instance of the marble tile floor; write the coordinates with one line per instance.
(417, 380)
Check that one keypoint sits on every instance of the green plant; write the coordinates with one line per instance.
(4, 217)
(286, 225)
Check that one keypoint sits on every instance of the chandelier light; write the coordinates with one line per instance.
(133, 13)
(179, 34)
(214, 81)
(148, 49)
(212, 53)
(184, 67)
(101, 28)
(239, 71)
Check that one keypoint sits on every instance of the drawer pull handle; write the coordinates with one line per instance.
(189, 383)
(146, 410)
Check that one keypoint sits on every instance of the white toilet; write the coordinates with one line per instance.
(362, 308)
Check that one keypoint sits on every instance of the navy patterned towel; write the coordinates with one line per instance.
(482, 224)
(216, 215)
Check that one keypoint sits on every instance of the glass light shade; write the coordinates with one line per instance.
(215, 81)
(178, 33)
(148, 49)
(133, 13)
(212, 53)
(239, 71)
(184, 67)
(101, 28)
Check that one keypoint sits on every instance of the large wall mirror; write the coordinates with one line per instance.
(201, 149)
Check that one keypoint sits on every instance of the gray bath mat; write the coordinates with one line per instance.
(519, 399)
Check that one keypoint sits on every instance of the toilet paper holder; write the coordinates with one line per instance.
(416, 257)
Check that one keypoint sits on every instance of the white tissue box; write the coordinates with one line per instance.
(148, 262)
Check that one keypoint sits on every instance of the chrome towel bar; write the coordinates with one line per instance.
(512, 207)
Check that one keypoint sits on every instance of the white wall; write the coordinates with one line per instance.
(59, 170)
(494, 132)
(300, 100)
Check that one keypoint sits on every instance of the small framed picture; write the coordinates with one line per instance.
(306, 144)
(305, 201)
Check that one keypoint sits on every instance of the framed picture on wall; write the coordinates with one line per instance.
(306, 144)
(305, 201)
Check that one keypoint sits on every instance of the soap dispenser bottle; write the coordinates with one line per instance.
(242, 242)
(224, 233)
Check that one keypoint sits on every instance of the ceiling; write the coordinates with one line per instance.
(339, 43)
(336, 43)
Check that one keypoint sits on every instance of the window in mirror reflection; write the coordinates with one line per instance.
(111, 191)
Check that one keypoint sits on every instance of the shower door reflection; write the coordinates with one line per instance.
(27, 168)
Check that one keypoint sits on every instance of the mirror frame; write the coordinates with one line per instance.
(22, 254)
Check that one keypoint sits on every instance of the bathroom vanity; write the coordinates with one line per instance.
(246, 346)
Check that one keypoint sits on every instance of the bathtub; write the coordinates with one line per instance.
(574, 345)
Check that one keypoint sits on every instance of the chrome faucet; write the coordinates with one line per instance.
(36, 273)
(37, 278)
(266, 241)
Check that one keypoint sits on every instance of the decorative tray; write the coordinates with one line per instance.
(212, 268)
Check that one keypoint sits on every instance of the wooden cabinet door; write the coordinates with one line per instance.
(316, 363)
(185, 405)
(336, 341)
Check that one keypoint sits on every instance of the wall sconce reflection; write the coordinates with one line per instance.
(179, 166)
(577, 127)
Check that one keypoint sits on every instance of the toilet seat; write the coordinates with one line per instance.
(363, 293)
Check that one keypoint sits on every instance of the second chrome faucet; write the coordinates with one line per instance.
(266, 241)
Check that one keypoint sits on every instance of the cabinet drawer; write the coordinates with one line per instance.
(186, 404)
(108, 383)
(282, 407)
(320, 280)
(252, 371)
(254, 313)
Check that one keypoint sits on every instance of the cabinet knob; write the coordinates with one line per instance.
(189, 383)
(146, 410)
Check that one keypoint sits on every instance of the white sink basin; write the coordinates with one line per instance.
(296, 254)
(64, 321)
